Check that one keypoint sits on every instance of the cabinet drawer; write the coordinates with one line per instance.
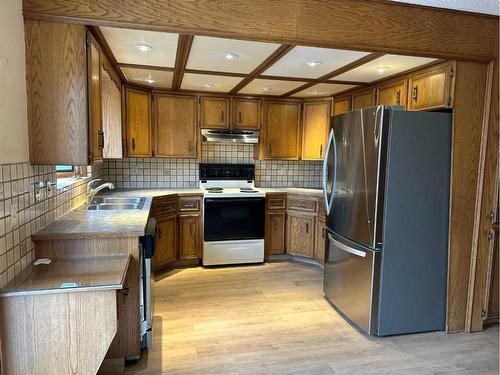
(302, 204)
(189, 204)
(276, 202)
(165, 207)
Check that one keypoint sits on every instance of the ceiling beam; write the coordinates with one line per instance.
(96, 32)
(336, 72)
(181, 59)
(147, 67)
(275, 56)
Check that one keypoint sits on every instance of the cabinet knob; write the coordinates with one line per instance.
(221, 116)
(133, 144)
(414, 93)
(239, 117)
(321, 150)
(307, 227)
(270, 148)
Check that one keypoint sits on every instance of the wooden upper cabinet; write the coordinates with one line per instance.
(341, 104)
(111, 105)
(282, 130)
(363, 99)
(315, 125)
(175, 126)
(393, 93)
(214, 112)
(95, 126)
(246, 114)
(432, 88)
(138, 123)
(56, 83)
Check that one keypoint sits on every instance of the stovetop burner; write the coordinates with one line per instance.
(215, 190)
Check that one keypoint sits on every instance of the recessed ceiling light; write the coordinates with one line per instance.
(317, 92)
(267, 89)
(208, 85)
(143, 47)
(230, 56)
(313, 63)
(382, 69)
(149, 79)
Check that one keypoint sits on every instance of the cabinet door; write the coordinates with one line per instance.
(246, 114)
(319, 248)
(315, 125)
(175, 126)
(111, 99)
(56, 85)
(214, 112)
(95, 126)
(363, 99)
(341, 105)
(275, 232)
(138, 123)
(282, 130)
(431, 88)
(393, 93)
(166, 242)
(300, 235)
(190, 236)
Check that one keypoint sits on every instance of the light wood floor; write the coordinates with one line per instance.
(273, 319)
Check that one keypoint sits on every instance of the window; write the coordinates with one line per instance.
(65, 168)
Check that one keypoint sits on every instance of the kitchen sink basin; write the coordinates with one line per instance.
(116, 203)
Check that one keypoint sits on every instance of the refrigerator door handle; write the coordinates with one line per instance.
(328, 202)
(340, 245)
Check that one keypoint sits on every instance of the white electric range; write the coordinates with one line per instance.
(234, 213)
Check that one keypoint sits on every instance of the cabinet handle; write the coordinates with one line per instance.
(191, 229)
(190, 206)
(133, 144)
(398, 97)
(307, 227)
(100, 139)
(323, 232)
(275, 227)
(190, 147)
(125, 291)
(414, 94)
(239, 117)
(221, 116)
(321, 150)
(270, 148)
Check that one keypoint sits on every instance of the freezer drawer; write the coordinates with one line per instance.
(351, 281)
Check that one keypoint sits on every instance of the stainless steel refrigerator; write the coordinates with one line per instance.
(386, 182)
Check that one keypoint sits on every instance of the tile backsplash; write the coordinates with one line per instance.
(20, 215)
(184, 173)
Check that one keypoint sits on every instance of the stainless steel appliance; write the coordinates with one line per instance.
(386, 178)
(147, 251)
(234, 214)
(229, 136)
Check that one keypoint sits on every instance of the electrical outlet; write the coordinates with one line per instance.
(134, 169)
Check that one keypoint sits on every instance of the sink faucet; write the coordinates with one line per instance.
(93, 192)
(91, 184)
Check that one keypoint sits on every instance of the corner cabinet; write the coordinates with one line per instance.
(138, 123)
(281, 130)
(315, 125)
(175, 126)
(432, 88)
(214, 112)
(64, 95)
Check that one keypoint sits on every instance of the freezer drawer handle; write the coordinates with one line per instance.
(340, 245)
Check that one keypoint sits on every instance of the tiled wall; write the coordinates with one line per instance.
(20, 215)
(183, 173)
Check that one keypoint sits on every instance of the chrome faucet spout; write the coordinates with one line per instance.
(93, 192)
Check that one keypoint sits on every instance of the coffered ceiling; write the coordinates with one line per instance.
(196, 63)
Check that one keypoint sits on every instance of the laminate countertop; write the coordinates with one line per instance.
(63, 275)
(82, 223)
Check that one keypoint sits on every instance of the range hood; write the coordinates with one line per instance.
(229, 136)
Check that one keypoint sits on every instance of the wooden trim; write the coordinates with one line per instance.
(319, 23)
(148, 67)
(275, 56)
(101, 41)
(183, 50)
(336, 72)
(214, 73)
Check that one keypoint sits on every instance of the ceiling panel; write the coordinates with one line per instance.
(124, 45)
(269, 87)
(322, 89)
(312, 62)
(162, 79)
(206, 82)
(383, 67)
(228, 55)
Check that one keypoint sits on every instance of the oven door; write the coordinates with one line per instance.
(234, 219)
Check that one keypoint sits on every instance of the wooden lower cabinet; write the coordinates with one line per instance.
(275, 232)
(190, 236)
(166, 242)
(319, 248)
(300, 230)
